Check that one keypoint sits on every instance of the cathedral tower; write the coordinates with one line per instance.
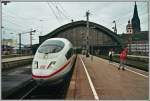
(136, 21)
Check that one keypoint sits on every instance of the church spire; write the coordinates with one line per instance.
(135, 11)
(136, 20)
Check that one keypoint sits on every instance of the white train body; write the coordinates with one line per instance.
(53, 60)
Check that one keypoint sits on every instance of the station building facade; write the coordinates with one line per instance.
(101, 39)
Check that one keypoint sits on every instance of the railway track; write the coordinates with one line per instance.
(32, 90)
(47, 92)
(35, 91)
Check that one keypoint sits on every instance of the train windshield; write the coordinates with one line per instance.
(51, 46)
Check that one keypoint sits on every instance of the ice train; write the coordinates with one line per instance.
(53, 60)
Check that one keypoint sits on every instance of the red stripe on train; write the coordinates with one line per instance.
(47, 76)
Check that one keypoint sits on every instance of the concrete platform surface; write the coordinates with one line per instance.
(114, 84)
(79, 88)
(109, 82)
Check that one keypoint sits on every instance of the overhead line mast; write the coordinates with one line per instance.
(87, 33)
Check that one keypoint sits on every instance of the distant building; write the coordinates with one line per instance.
(135, 39)
(134, 27)
(9, 42)
(139, 43)
(129, 28)
(7, 45)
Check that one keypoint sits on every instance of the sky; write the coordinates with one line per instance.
(44, 17)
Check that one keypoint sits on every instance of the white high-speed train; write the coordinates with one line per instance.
(53, 60)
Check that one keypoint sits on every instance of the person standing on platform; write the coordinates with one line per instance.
(112, 52)
(110, 56)
(123, 56)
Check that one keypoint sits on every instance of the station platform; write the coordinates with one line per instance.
(11, 62)
(109, 83)
(16, 58)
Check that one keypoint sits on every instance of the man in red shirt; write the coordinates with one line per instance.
(123, 56)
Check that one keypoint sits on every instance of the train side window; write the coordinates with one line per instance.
(69, 53)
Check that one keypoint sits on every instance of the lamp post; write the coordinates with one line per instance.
(115, 27)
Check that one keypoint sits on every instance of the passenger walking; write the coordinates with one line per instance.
(123, 56)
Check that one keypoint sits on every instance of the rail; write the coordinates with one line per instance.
(43, 91)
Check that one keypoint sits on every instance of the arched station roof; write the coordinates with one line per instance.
(83, 23)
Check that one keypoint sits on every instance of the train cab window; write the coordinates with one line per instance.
(69, 53)
(51, 46)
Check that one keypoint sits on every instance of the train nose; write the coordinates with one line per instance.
(46, 56)
(51, 64)
(47, 65)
